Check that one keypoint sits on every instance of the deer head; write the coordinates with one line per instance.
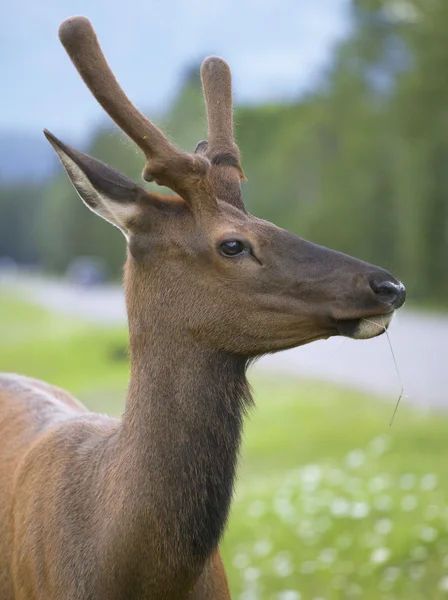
(198, 260)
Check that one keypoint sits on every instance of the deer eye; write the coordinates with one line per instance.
(232, 247)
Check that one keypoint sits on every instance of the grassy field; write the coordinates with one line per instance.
(331, 503)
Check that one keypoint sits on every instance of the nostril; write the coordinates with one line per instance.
(386, 288)
(392, 293)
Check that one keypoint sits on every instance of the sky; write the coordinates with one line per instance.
(277, 49)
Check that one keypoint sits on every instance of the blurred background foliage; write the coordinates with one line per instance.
(359, 165)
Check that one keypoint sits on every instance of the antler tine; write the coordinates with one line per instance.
(217, 85)
(80, 41)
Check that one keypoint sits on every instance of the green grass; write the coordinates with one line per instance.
(331, 503)
(86, 360)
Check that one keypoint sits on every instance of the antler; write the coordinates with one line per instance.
(166, 164)
(217, 85)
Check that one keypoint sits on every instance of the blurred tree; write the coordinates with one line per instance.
(420, 108)
(19, 205)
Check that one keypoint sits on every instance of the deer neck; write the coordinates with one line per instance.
(180, 435)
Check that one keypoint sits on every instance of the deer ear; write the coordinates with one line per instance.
(103, 189)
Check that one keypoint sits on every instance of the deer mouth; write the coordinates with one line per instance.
(364, 327)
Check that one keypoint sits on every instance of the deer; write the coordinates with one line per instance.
(93, 507)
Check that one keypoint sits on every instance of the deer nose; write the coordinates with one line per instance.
(389, 292)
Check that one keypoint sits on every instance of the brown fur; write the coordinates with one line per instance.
(96, 508)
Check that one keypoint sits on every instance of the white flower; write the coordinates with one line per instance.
(262, 548)
(370, 540)
(328, 556)
(443, 584)
(392, 573)
(305, 529)
(241, 561)
(284, 509)
(283, 565)
(432, 512)
(355, 459)
(407, 481)
(383, 526)
(409, 502)
(344, 541)
(353, 484)
(354, 589)
(249, 595)
(383, 503)
(359, 510)
(251, 574)
(428, 534)
(336, 476)
(257, 509)
(429, 482)
(379, 483)
(310, 505)
(339, 507)
(380, 555)
(311, 473)
(308, 567)
(379, 445)
(289, 595)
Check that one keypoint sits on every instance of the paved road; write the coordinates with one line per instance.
(420, 343)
